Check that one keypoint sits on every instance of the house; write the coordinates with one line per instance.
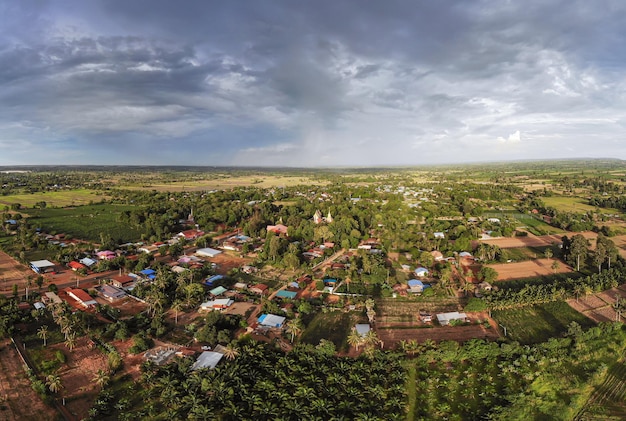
(218, 304)
(494, 220)
(51, 298)
(148, 273)
(362, 329)
(190, 235)
(330, 282)
(437, 255)
(279, 229)
(444, 319)
(207, 252)
(240, 285)
(106, 255)
(260, 289)
(42, 266)
(111, 293)
(81, 296)
(439, 235)
(208, 359)
(218, 291)
(426, 317)
(76, 266)
(122, 281)
(421, 272)
(88, 261)
(283, 293)
(416, 286)
(466, 255)
(248, 269)
(271, 320)
(148, 249)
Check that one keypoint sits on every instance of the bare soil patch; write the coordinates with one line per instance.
(599, 307)
(225, 262)
(528, 269)
(239, 308)
(18, 401)
(12, 273)
(77, 375)
(391, 337)
(533, 240)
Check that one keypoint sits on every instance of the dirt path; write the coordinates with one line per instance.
(18, 401)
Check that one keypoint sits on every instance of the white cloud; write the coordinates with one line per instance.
(513, 138)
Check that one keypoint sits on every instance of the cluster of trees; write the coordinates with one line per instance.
(263, 382)
(511, 295)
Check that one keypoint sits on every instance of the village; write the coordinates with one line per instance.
(320, 280)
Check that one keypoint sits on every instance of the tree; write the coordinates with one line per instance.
(54, 383)
(355, 339)
(177, 306)
(231, 352)
(599, 255)
(578, 249)
(555, 265)
(294, 327)
(487, 274)
(101, 378)
(43, 333)
(548, 253)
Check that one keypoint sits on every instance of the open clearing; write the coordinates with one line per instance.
(18, 401)
(599, 307)
(529, 269)
(538, 323)
(531, 240)
(572, 204)
(53, 199)
(228, 182)
(12, 273)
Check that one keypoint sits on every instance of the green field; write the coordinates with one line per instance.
(53, 199)
(538, 227)
(539, 323)
(334, 326)
(86, 222)
(572, 204)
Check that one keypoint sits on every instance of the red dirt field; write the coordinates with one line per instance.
(599, 307)
(533, 241)
(226, 262)
(391, 337)
(18, 401)
(528, 269)
(12, 272)
(77, 376)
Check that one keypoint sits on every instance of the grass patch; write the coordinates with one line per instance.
(54, 198)
(572, 204)
(539, 323)
(86, 222)
(334, 326)
(539, 227)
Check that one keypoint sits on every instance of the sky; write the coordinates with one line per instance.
(321, 83)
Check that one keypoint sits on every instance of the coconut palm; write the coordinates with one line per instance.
(101, 378)
(355, 339)
(177, 306)
(54, 383)
(43, 333)
(231, 352)
(294, 327)
(70, 341)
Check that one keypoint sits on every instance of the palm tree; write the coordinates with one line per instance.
(177, 306)
(54, 383)
(555, 265)
(101, 378)
(231, 352)
(43, 333)
(294, 327)
(355, 339)
(70, 341)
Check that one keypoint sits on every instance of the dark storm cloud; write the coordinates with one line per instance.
(312, 83)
